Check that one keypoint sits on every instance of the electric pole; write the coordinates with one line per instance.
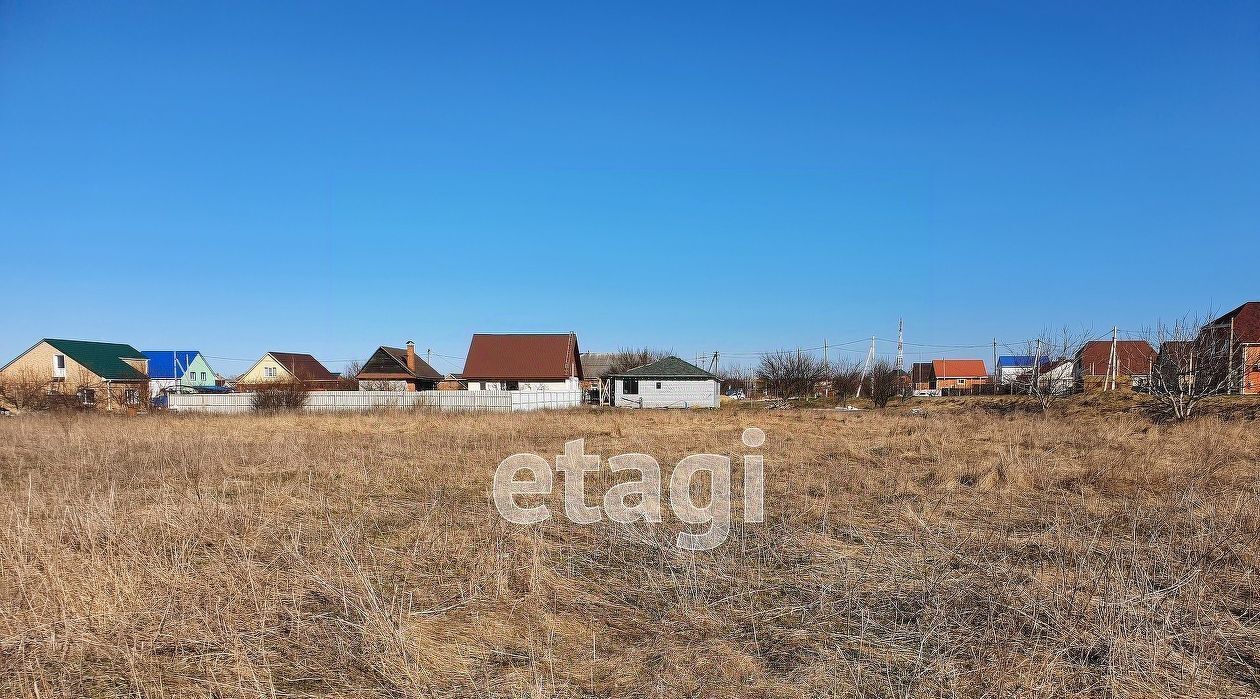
(870, 357)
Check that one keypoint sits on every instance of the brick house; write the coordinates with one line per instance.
(1242, 328)
(961, 377)
(99, 375)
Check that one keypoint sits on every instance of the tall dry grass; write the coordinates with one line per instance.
(959, 554)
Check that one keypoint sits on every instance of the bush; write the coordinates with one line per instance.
(289, 395)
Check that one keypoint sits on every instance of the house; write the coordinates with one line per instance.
(960, 377)
(287, 367)
(178, 368)
(922, 376)
(1011, 367)
(104, 375)
(1056, 377)
(1242, 327)
(666, 383)
(1134, 361)
(523, 362)
(394, 369)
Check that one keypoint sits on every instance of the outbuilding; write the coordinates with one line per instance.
(666, 383)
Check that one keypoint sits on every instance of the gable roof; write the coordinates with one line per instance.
(303, 367)
(922, 372)
(105, 359)
(596, 365)
(1133, 357)
(959, 368)
(1016, 360)
(522, 357)
(1246, 320)
(391, 362)
(169, 364)
(668, 368)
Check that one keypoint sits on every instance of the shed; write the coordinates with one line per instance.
(666, 383)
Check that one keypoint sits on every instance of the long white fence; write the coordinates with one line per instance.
(327, 401)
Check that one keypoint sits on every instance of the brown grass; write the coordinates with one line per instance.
(964, 553)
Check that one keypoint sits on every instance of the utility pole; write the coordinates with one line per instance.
(901, 355)
(870, 357)
(1113, 364)
(1036, 363)
(997, 377)
(826, 363)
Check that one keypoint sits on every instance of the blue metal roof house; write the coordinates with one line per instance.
(1011, 366)
(177, 367)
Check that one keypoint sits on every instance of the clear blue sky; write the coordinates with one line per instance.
(241, 177)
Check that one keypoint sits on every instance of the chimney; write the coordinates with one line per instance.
(411, 356)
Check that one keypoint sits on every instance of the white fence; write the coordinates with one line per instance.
(327, 401)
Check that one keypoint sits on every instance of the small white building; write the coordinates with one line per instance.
(666, 383)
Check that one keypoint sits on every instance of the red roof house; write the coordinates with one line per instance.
(1242, 327)
(523, 361)
(1134, 359)
(956, 377)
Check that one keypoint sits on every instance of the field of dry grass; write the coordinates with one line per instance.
(962, 553)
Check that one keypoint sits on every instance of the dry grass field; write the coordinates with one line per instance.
(961, 553)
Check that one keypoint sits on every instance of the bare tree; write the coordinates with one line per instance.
(846, 376)
(1193, 364)
(885, 382)
(737, 378)
(629, 358)
(791, 374)
(1051, 375)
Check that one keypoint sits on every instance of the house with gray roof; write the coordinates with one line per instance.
(666, 383)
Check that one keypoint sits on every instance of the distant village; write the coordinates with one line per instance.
(530, 370)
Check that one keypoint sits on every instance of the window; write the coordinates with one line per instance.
(59, 361)
(630, 387)
(658, 385)
(87, 396)
(962, 382)
(483, 385)
(269, 372)
(513, 386)
(131, 396)
(203, 377)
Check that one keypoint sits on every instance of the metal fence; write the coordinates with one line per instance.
(329, 401)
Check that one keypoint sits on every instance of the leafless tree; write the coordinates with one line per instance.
(1051, 376)
(791, 374)
(846, 376)
(1193, 364)
(737, 378)
(629, 358)
(885, 382)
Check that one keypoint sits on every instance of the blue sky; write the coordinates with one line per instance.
(697, 176)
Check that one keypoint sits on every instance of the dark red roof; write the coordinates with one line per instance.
(304, 367)
(1246, 322)
(522, 357)
(959, 368)
(1133, 356)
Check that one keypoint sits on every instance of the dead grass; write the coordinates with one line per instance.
(965, 553)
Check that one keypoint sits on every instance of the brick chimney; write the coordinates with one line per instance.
(411, 356)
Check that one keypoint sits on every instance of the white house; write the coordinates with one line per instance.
(523, 362)
(666, 383)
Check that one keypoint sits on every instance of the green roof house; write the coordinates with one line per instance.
(666, 383)
(106, 375)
